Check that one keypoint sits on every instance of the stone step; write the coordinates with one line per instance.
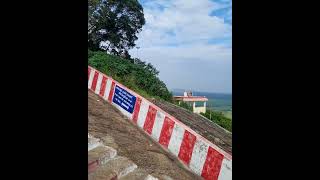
(115, 168)
(138, 174)
(100, 156)
(165, 177)
(109, 141)
(93, 143)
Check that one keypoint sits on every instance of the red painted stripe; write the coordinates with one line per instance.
(212, 165)
(94, 81)
(166, 132)
(92, 166)
(111, 91)
(89, 70)
(103, 85)
(136, 109)
(186, 147)
(151, 116)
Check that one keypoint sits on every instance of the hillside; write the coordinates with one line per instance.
(137, 75)
(143, 78)
(211, 131)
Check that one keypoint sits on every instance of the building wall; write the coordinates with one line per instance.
(199, 109)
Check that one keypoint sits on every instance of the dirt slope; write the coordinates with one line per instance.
(107, 123)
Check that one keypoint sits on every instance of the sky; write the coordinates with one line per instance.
(189, 42)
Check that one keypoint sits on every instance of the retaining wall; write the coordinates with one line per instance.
(200, 155)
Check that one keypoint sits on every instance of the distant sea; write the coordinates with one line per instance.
(216, 101)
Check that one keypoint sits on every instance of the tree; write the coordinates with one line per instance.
(113, 25)
(137, 75)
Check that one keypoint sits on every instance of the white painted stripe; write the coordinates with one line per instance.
(199, 155)
(92, 146)
(123, 111)
(108, 88)
(176, 139)
(200, 149)
(226, 170)
(91, 78)
(98, 83)
(144, 107)
(157, 126)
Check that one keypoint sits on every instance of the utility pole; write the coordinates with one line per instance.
(209, 109)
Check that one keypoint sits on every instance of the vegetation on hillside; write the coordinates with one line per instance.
(136, 75)
(184, 105)
(113, 26)
(219, 118)
(216, 117)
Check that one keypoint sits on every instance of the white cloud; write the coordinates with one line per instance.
(189, 20)
(177, 31)
(197, 53)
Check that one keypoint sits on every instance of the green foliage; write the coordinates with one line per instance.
(184, 105)
(219, 118)
(137, 75)
(90, 53)
(115, 22)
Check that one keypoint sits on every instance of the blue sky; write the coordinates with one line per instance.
(189, 42)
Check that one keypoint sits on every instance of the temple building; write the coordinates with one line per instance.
(197, 102)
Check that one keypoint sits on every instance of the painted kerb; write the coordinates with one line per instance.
(200, 155)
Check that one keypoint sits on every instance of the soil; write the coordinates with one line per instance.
(107, 123)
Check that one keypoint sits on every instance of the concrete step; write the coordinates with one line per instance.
(89, 135)
(102, 175)
(165, 177)
(100, 156)
(109, 141)
(138, 174)
(115, 168)
(93, 143)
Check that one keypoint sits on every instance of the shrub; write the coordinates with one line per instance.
(136, 74)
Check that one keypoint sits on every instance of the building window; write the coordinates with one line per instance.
(199, 104)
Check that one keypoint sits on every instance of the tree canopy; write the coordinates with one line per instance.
(138, 75)
(113, 25)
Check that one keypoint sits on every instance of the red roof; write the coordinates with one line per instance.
(191, 98)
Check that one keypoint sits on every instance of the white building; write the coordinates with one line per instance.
(194, 101)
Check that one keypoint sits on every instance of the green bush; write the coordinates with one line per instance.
(184, 105)
(135, 74)
(218, 118)
(90, 53)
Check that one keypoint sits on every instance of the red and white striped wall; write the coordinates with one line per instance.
(200, 155)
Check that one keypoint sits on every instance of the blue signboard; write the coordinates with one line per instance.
(124, 99)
